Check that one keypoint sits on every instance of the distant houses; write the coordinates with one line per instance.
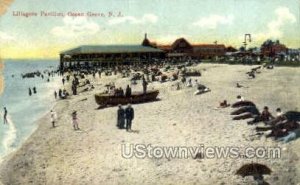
(182, 48)
(272, 48)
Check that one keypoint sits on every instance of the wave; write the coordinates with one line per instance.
(24, 111)
(9, 136)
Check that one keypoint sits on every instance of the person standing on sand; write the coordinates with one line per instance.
(128, 91)
(144, 83)
(99, 73)
(53, 117)
(121, 118)
(129, 115)
(75, 120)
(5, 121)
(55, 94)
(189, 84)
(60, 93)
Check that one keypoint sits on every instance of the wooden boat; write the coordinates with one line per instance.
(192, 73)
(104, 99)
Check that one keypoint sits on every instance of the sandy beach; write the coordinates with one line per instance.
(93, 155)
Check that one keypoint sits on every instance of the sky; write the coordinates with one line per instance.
(199, 21)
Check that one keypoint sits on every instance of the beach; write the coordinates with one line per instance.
(24, 110)
(93, 154)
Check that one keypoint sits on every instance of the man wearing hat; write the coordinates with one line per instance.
(129, 115)
(144, 83)
(121, 117)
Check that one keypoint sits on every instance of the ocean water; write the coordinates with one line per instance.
(24, 110)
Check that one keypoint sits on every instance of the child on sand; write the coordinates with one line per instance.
(53, 117)
(75, 120)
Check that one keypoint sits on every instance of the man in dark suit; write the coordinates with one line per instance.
(144, 83)
(129, 113)
(121, 118)
(128, 91)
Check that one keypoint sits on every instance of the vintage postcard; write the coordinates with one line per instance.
(183, 92)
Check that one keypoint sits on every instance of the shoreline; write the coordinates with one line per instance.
(35, 135)
(54, 156)
(14, 134)
(18, 142)
(46, 114)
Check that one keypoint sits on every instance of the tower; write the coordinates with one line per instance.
(146, 42)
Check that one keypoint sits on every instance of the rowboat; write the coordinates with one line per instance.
(192, 73)
(104, 99)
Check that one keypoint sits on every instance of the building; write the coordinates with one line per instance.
(271, 49)
(109, 55)
(208, 51)
(231, 49)
(182, 48)
(293, 51)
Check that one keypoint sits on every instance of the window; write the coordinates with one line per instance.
(182, 44)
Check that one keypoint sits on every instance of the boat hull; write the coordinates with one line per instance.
(106, 99)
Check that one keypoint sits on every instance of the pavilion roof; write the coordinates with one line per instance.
(101, 49)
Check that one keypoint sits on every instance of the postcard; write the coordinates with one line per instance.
(161, 92)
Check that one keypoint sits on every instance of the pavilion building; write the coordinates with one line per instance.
(112, 55)
(109, 55)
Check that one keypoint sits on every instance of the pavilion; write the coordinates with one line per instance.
(108, 55)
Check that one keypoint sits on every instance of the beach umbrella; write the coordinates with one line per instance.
(253, 169)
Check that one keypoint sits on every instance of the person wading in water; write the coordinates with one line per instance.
(5, 121)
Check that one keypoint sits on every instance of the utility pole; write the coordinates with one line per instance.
(216, 43)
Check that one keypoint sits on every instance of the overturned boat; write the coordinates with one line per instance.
(104, 99)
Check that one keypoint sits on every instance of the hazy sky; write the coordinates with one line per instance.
(200, 21)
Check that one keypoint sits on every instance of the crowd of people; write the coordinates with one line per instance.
(283, 127)
(246, 109)
(120, 92)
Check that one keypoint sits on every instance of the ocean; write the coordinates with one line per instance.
(24, 110)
